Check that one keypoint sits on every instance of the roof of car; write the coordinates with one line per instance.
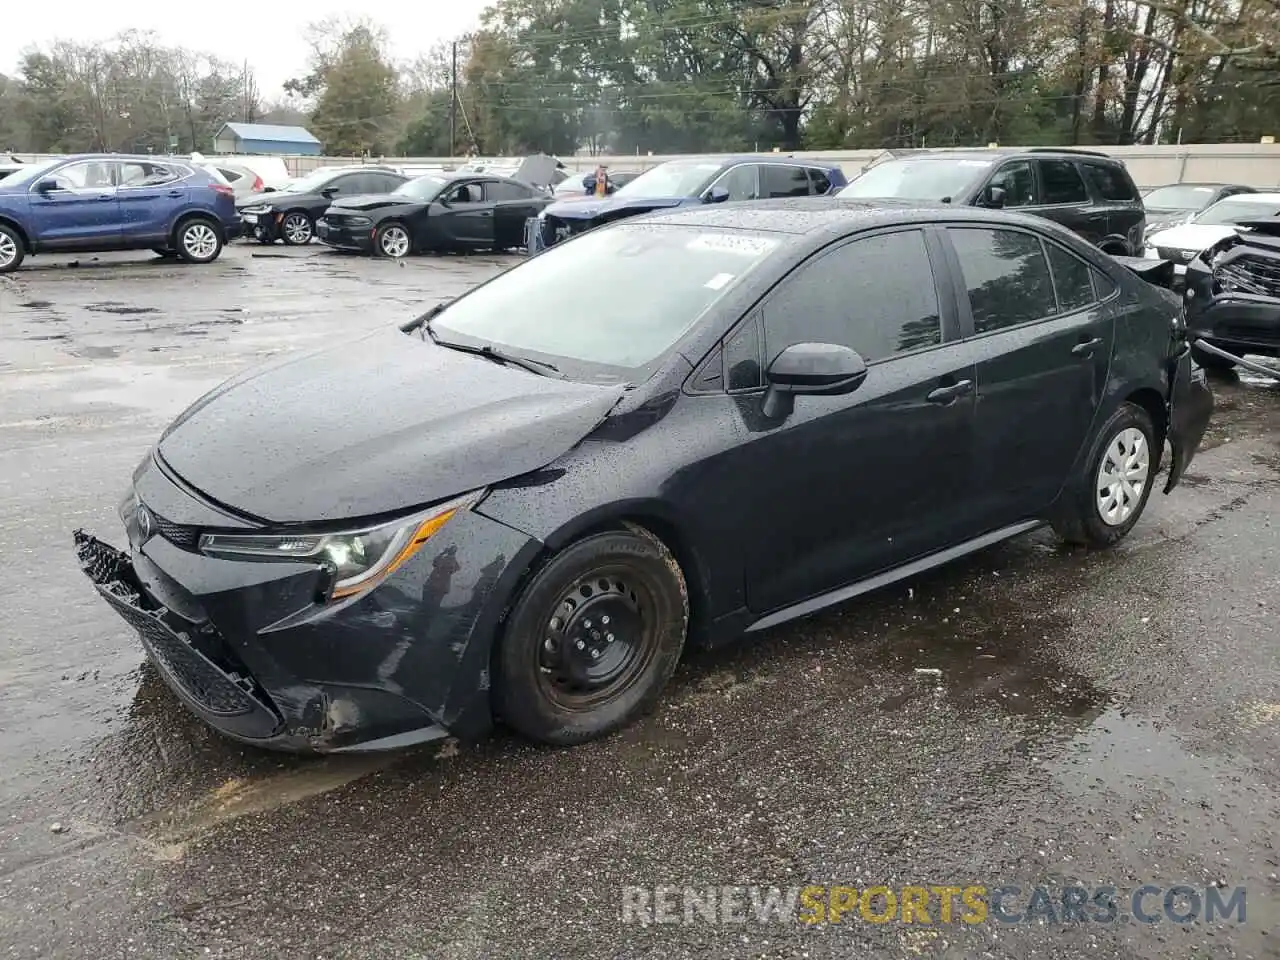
(806, 215)
(1001, 153)
(758, 158)
(1252, 198)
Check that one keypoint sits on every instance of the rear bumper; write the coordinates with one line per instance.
(253, 651)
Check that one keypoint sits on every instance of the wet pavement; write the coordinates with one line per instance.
(1028, 716)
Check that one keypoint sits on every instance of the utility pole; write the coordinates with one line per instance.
(453, 105)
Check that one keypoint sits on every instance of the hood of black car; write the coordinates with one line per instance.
(370, 201)
(385, 423)
(275, 199)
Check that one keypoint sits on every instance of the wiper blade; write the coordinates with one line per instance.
(540, 367)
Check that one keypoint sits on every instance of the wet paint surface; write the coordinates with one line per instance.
(1108, 717)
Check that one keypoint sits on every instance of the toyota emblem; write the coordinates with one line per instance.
(146, 524)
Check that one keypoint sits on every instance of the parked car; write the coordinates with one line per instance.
(1089, 193)
(539, 493)
(679, 183)
(1183, 243)
(291, 214)
(10, 166)
(273, 170)
(451, 211)
(1233, 291)
(1177, 203)
(242, 180)
(98, 202)
(586, 185)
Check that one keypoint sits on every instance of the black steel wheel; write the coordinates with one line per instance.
(593, 639)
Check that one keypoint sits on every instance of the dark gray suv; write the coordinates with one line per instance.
(1087, 192)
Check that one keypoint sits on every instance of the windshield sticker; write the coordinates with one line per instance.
(718, 281)
(726, 243)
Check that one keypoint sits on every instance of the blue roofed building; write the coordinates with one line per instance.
(267, 138)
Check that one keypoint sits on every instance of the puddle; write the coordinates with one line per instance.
(119, 309)
(37, 304)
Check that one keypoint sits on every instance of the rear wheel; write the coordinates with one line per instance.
(297, 229)
(592, 640)
(1106, 502)
(12, 249)
(198, 241)
(392, 240)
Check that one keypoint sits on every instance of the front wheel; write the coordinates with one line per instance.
(198, 241)
(1104, 504)
(12, 250)
(593, 639)
(392, 240)
(297, 229)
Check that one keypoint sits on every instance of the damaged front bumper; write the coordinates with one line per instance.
(1189, 408)
(253, 651)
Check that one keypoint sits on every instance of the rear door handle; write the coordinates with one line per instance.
(950, 394)
(106, 196)
(175, 193)
(1086, 349)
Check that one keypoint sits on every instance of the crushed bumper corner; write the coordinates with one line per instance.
(1189, 409)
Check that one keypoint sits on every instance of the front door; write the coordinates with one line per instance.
(149, 195)
(466, 217)
(845, 486)
(81, 211)
(1041, 331)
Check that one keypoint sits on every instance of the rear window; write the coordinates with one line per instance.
(821, 182)
(1111, 181)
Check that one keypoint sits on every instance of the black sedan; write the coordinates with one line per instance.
(291, 214)
(1177, 203)
(462, 211)
(526, 504)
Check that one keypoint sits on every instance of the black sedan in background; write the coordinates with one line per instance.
(445, 211)
(525, 504)
(291, 214)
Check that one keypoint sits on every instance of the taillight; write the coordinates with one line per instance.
(257, 184)
(224, 190)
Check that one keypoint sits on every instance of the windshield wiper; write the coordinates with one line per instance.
(540, 367)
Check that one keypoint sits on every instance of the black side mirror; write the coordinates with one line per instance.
(329, 192)
(44, 186)
(993, 197)
(717, 195)
(816, 369)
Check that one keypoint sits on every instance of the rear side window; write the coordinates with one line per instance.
(1006, 277)
(780, 181)
(1071, 279)
(502, 190)
(821, 182)
(1111, 181)
(1061, 182)
(145, 174)
(229, 175)
(876, 295)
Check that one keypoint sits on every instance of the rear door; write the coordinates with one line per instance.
(1042, 338)
(150, 196)
(1065, 199)
(81, 211)
(513, 203)
(849, 485)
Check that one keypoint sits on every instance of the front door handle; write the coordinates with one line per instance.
(106, 196)
(1086, 349)
(951, 393)
(175, 193)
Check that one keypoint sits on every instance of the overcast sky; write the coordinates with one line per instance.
(269, 33)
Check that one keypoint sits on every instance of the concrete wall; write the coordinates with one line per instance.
(1253, 164)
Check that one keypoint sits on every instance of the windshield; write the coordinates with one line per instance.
(623, 317)
(1180, 197)
(25, 174)
(314, 181)
(424, 189)
(680, 178)
(932, 178)
(1232, 210)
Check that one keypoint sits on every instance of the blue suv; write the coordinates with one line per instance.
(96, 202)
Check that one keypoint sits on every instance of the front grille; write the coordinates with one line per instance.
(1250, 274)
(178, 534)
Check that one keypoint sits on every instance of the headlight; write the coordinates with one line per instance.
(258, 208)
(357, 559)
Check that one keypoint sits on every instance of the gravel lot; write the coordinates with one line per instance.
(1108, 719)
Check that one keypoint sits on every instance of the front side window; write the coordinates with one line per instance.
(622, 319)
(742, 182)
(84, 175)
(875, 295)
(778, 181)
(465, 193)
(1018, 183)
(1006, 277)
(1061, 182)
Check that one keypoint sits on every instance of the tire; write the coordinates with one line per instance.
(1100, 514)
(12, 249)
(198, 240)
(297, 228)
(396, 235)
(557, 641)
(1211, 361)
